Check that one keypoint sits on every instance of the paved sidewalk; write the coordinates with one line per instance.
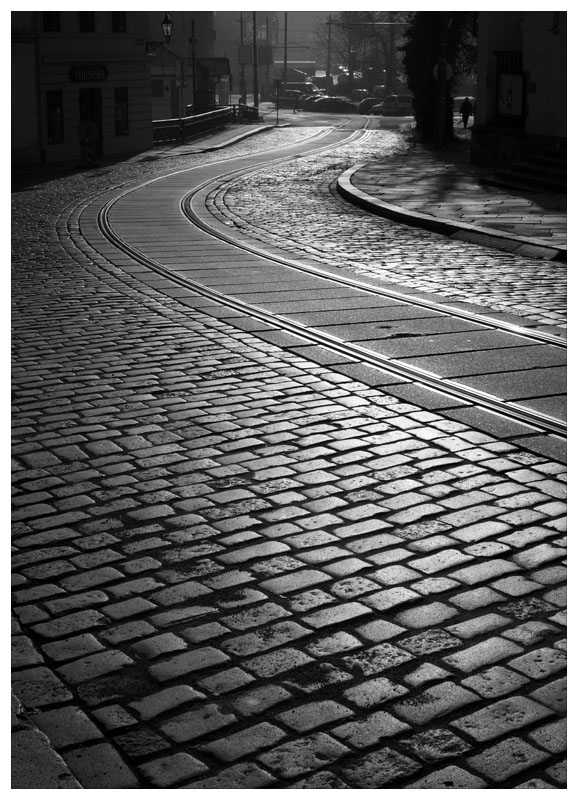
(441, 191)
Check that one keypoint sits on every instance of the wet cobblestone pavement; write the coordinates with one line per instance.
(237, 568)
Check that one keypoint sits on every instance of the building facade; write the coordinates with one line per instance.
(69, 66)
(521, 94)
(112, 68)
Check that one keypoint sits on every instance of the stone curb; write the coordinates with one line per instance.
(447, 227)
(35, 765)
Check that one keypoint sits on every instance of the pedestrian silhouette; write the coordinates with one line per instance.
(466, 109)
(296, 104)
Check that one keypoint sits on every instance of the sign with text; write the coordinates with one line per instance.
(87, 73)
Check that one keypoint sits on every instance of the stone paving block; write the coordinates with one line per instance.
(23, 653)
(452, 777)
(240, 776)
(540, 664)
(183, 663)
(558, 772)
(424, 616)
(114, 717)
(495, 682)
(100, 767)
(244, 743)
(551, 737)
(292, 583)
(276, 663)
(92, 666)
(226, 681)
(437, 744)
(553, 695)
(36, 766)
(260, 699)
(140, 742)
(366, 731)
(67, 726)
(313, 715)
(330, 645)
(500, 762)
(431, 641)
(373, 660)
(479, 655)
(300, 756)
(39, 686)
(320, 780)
(504, 716)
(166, 700)
(164, 772)
(378, 769)
(373, 692)
(434, 702)
(196, 724)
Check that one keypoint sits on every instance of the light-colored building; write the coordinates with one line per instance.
(521, 93)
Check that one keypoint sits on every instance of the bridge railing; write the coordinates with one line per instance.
(170, 131)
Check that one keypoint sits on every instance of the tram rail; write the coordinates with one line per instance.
(190, 203)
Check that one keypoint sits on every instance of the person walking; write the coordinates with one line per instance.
(466, 109)
(296, 108)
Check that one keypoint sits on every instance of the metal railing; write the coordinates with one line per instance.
(170, 131)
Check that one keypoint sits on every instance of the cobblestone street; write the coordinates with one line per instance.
(237, 565)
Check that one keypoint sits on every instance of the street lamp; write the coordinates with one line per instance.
(167, 27)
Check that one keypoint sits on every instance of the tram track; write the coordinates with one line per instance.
(191, 204)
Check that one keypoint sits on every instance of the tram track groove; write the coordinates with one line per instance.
(537, 420)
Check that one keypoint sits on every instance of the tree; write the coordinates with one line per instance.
(422, 52)
(365, 44)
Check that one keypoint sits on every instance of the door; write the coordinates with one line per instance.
(90, 107)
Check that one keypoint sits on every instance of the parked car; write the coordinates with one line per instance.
(303, 87)
(365, 106)
(379, 91)
(287, 99)
(398, 105)
(376, 109)
(334, 104)
(359, 94)
(306, 102)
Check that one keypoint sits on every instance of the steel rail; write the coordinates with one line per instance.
(481, 319)
(514, 411)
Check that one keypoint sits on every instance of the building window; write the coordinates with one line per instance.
(121, 111)
(54, 117)
(86, 21)
(51, 21)
(118, 21)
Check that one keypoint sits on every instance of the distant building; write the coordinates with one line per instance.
(113, 68)
(521, 95)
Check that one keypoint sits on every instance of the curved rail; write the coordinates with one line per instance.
(452, 388)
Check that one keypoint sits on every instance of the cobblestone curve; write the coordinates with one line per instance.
(234, 568)
(335, 232)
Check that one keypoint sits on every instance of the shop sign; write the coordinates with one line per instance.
(84, 73)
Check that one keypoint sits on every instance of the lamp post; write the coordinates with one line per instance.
(167, 28)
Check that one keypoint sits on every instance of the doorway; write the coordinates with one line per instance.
(90, 107)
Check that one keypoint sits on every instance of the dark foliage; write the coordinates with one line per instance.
(422, 52)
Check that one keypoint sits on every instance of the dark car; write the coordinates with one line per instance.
(334, 104)
(307, 103)
(365, 106)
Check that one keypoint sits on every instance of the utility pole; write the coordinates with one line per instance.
(442, 76)
(255, 63)
(193, 67)
(242, 87)
(328, 78)
(285, 55)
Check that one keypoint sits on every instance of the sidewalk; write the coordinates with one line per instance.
(441, 191)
